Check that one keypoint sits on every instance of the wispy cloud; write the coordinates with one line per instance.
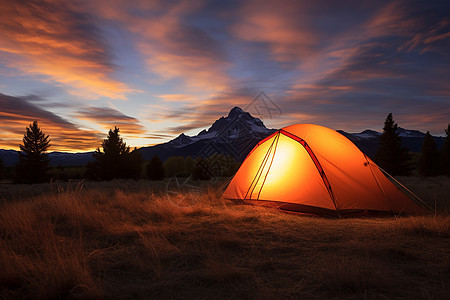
(358, 60)
(109, 118)
(342, 64)
(16, 113)
(171, 45)
(176, 98)
(61, 42)
(383, 65)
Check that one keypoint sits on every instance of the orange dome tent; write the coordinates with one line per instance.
(313, 169)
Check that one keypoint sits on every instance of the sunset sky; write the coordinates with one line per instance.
(156, 68)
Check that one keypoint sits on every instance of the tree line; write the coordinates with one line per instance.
(395, 159)
(113, 159)
(116, 160)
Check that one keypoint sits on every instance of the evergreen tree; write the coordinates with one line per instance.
(155, 169)
(116, 160)
(429, 157)
(445, 153)
(33, 159)
(132, 164)
(391, 156)
(202, 169)
(2, 168)
(174, 166)
(188, 164)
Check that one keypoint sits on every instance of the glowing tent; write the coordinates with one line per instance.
(313, 169)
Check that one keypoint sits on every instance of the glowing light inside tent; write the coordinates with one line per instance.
(281, 169)
(276, 167)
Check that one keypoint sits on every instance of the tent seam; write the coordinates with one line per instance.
(316, 163)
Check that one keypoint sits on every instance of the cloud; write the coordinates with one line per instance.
(172, 46)
(327, 62)
(158, 136)
(16, 113)
(176, 98)
(388, 63)
(189, 126)
(203, 113)
(60, 42)
(193, 116)
(282, 27)
(355, 55)
(109, 118)
(296, 32)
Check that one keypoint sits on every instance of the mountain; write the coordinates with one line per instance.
(10, 158)
(235, 134)
(367, 140)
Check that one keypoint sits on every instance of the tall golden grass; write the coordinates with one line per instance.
(130, 240)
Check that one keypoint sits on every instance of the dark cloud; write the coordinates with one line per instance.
(109, 118)
(159, 136)
(187, 127)
(395, 67)
(21, 108)
(104, 114)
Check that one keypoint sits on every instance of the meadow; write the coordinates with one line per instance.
(144, 240)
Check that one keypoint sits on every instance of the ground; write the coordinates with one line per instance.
(127, 239)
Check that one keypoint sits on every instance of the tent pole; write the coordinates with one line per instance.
(260, 170)
(270, 165)
(317, 164)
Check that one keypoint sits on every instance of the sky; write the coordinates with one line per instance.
(159, 68)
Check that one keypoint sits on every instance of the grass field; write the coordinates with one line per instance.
(134, 240)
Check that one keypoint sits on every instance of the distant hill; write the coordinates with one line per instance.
(235, 135)
(56, 158)
(367, 141)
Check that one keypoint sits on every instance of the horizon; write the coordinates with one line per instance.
(174, 137)
(157, 69)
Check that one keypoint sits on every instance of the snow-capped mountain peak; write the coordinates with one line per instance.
(181, 140)
(235, 112)
(410, 133)
(372, 134)
(367, 134)
(236, 118)
(237, 123)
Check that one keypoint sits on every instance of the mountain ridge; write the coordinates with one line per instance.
(235, 134)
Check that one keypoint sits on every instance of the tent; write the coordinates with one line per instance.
(313, 169)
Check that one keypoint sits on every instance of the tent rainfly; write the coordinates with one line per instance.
(313, 169)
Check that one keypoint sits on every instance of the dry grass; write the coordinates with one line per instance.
(101, 242)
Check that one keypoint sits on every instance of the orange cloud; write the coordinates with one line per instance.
(170, 46)
(16, 113)
(54, 39)
(175, 97)
(391, 20)
(283, 25)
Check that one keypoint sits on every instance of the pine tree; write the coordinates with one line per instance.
(429, 157)
(133, 164)
(202, 169)
(33, 159)
(2, 168)
(155, 169)
(445, 153)
(391, 156)
(115, 159)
